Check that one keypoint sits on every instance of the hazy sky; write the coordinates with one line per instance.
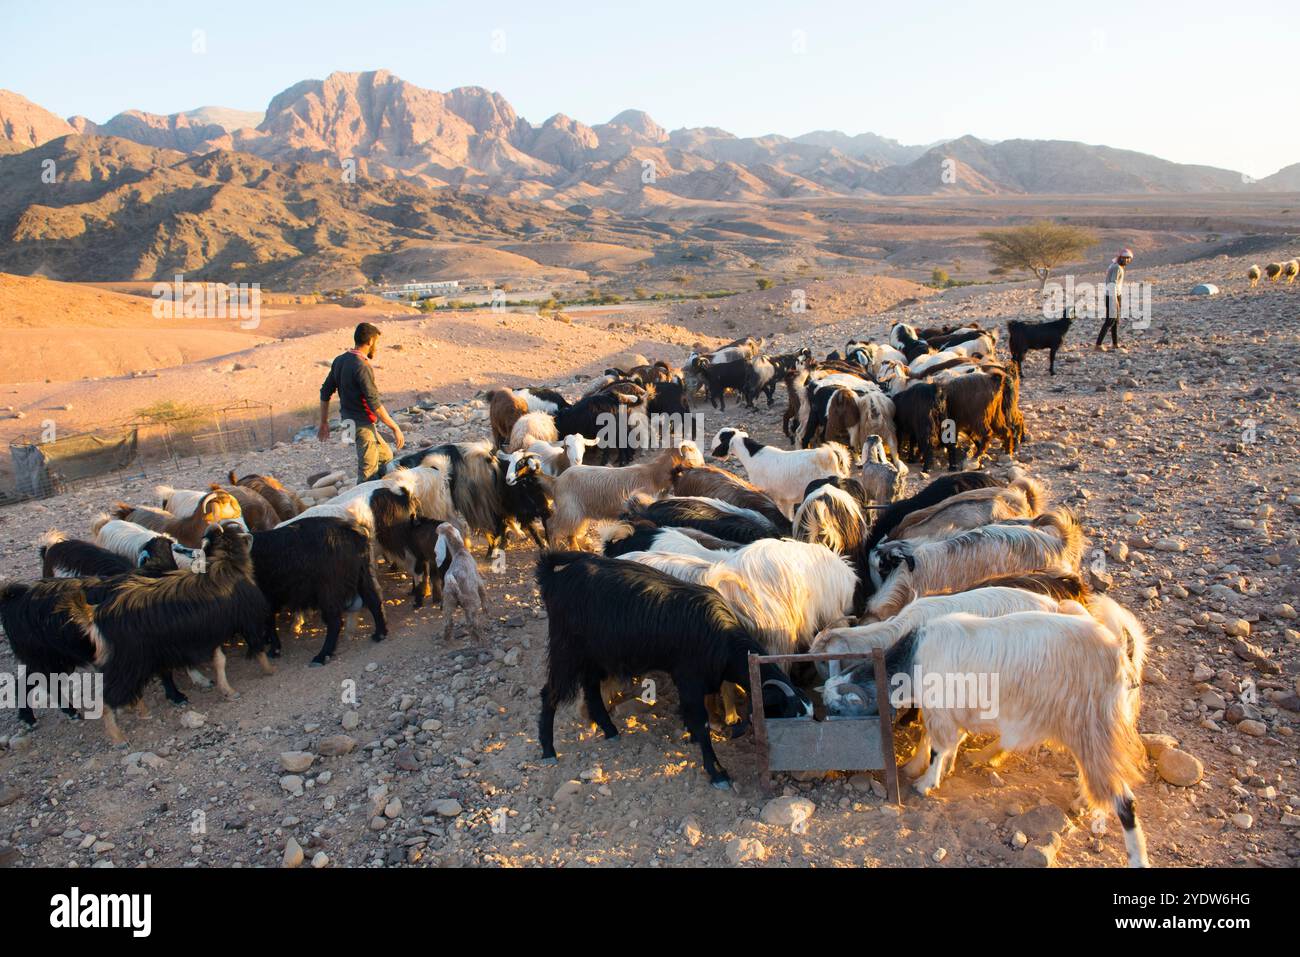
(1188, 81)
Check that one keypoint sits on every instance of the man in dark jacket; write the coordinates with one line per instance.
(353, 378)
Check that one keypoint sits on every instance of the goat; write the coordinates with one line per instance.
(1062, 678)
(709, 481)
(710, 516)
(783, 591)
(526, 497)
(782, 474)
(614, 618)
(255, 511)
(919, 413)
(51, 632)
(587, 493)
(286, 502)
(504, 410)
(1025, 337)
(1253, 274)
(1022, 498)
(152, 625)
(938, 490)
(476, 480)
(883, 479)
(1291, 269)
(462, 586)
(718, 377)
(530, 428)
(905, 339)
(62, 557)
(978, 406)
(1273, 271)
(554, 458)
(1051, 542)
(404, 537)
(602, 414)
(669, 398)
(215, 506)
(831, 515)
(764, 372)
(320, 563)
(642, 536)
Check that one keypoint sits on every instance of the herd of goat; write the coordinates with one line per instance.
(1288, 271)
(815, 548)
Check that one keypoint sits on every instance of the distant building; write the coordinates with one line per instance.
(421, 290)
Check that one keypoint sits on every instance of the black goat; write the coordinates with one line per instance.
(152, 625)
(592, 415)
(410, 540)
(72, 558)
(50, 629)
(919, 411)
(1026, 337)
(643, 536)
(609, 618)
(714, 517)
(321, 564)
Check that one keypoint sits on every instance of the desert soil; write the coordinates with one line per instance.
(1179, 452)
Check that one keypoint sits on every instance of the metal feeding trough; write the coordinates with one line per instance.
(835, 744)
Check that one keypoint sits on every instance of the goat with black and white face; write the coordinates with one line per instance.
(610, 618)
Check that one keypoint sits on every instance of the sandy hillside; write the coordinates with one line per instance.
(1198, 518)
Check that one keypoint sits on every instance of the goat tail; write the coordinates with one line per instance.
(51, 537)
(100, 520)
(164, 494)
(1034, 492)
(843, 460)
(121, 510)
(616, 532)
(1109, 750)
(231, 475)
(1067, 528)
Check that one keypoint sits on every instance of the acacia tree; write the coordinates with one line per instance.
(1038, 247)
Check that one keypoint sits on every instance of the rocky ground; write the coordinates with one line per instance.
(1180, 452)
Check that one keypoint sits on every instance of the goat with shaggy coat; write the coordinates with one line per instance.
(919, 412)
(1051, 542)
(783, 475)
(212, 507)
(1062, 678)
(587, 493)
(783, 591)
(153, 625)
(641, 536)
(530, 428)
(50, 628)
(941, 488)
(63, 557)
(1022, 498)
(609, 618)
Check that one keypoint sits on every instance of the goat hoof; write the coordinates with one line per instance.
(551, 760)
(273, 653)
(179, 701)
(317, 663)
(722, 784)
(379, 636)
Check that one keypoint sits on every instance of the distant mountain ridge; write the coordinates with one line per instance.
(472, 139)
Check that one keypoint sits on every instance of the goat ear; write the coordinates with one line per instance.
(911, 562)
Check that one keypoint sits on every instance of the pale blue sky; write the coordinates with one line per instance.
(1187, 81)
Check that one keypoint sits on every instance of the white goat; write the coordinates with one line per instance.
(1022, 498)
(1060, 678)
(530, 428)
(783, 591)
(782, 474)
(900, 570)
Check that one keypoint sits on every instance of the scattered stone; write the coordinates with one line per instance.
(743, 849)
(336, 745)
(1179, 768)
(690, 829)
(293, 854)
(1243, 821)
(787, 811)
(292, 783)
(296, 762)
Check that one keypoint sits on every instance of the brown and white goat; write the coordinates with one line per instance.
(215, 506)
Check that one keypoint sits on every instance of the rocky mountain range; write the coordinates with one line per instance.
(472, 139)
